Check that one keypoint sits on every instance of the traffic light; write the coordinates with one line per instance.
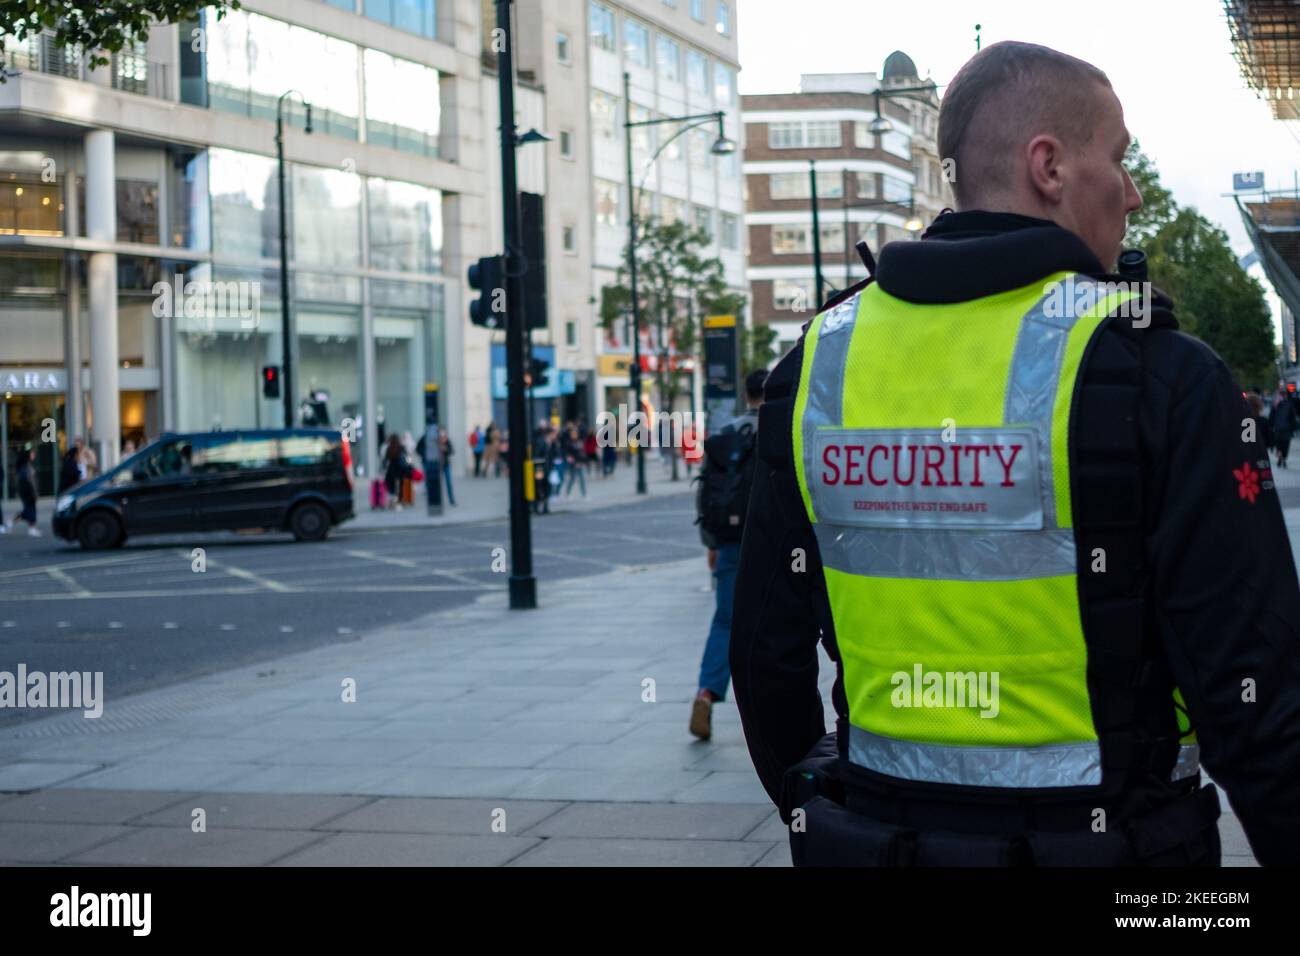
(537, 371)
(488, 276)
(270, 381)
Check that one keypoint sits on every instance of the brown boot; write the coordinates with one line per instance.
(702, 715)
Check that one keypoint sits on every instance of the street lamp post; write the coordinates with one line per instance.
(816, 234)
(721, 147)
(286, 321)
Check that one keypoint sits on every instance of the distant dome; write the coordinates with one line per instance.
(899, 66)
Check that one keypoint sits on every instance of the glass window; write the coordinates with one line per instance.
(413, 16)
(405, 227)
(607, 201)
(571, 333)
(797, 239)
(570, 240)
(862, 139)
(724, 84)
(723, 21)
(137, 211)
(171, 458)
(697, 72)
(670, 209)
(899, 144)
(670, 59)
(792, 294)
(604, 115)
(326, 217)
(636, 41)
(602, 27)
(30, 207)
(562, 48)
(697, 10)
(728, 231)
(866, 185)
(220, 454)
(822, 134)
(830, 185)
(253, 59)
(784, 135)
(566, 144)
(402, 104)
(245, 207)
(894, 189)
(187, 199)
(642, 136)
(302, 450)
(704, 219)
(700, 144)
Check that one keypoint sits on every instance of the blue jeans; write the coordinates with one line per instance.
(715, 668)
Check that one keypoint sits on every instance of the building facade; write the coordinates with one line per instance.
(139, 222)
(681, 59)
(876, 186)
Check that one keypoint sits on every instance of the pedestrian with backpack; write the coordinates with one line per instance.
(720, 505)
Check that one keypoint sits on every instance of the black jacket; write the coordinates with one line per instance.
(1223, 593)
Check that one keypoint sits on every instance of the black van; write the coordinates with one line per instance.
(298, 480)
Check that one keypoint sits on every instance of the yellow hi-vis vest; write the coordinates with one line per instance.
(931, 446)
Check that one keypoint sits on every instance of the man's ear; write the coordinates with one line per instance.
(1043, 157)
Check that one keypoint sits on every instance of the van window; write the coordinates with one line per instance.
(298, 451)
(222, 454)
(165, 461)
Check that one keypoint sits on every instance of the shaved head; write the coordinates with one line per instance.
(1003, 97)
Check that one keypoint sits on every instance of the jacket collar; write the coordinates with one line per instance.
(969, 255)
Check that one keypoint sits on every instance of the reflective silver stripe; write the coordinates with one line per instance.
(825, 402)
(1032, 382)
(1054, 765)
(1188, 763)
(946, 555)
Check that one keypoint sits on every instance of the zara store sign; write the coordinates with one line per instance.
(30, 381)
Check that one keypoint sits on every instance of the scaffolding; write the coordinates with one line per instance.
(1266, 43)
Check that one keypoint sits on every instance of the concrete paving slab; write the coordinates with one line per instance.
(724, 786)
(778, 855)
(614, 756)
(641, 853)
(177, 846)
(468, 817)
(483, 753)
(254, 811)
(86, 806)
(51, 842)
(32, 775)
(650, 784)
(451, 782)
(407, 849)
(660, 821)
(149, 775)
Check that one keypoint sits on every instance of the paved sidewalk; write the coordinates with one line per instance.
(566, 725)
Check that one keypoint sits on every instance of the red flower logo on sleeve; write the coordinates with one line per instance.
(1247, 482)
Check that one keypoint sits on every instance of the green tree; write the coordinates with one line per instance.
(1190, 258)
(98, 25)
(677, 284)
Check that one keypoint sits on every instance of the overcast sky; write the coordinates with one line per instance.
(1170, 62)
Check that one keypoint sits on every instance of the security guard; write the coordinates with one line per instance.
(1029, 522)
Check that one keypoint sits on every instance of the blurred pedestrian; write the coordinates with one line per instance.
(445, 444)
(70, 469)
(87, 460)
(575, 457)
(1282, 424)
(397, 468)
(26, 477)
(476, 446)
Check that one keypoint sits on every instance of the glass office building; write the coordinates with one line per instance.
(194, 237)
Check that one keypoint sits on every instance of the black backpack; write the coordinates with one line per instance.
(727, 476)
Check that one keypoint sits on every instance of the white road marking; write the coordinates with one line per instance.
(67, 581)
(227, 627)
(170, 625)
(244, 575)
(115, 625)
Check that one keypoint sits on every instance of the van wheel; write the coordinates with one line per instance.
(310, 521)
(99, 529)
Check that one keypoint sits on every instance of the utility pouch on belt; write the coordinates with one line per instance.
(814, 776)
(829, 835)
